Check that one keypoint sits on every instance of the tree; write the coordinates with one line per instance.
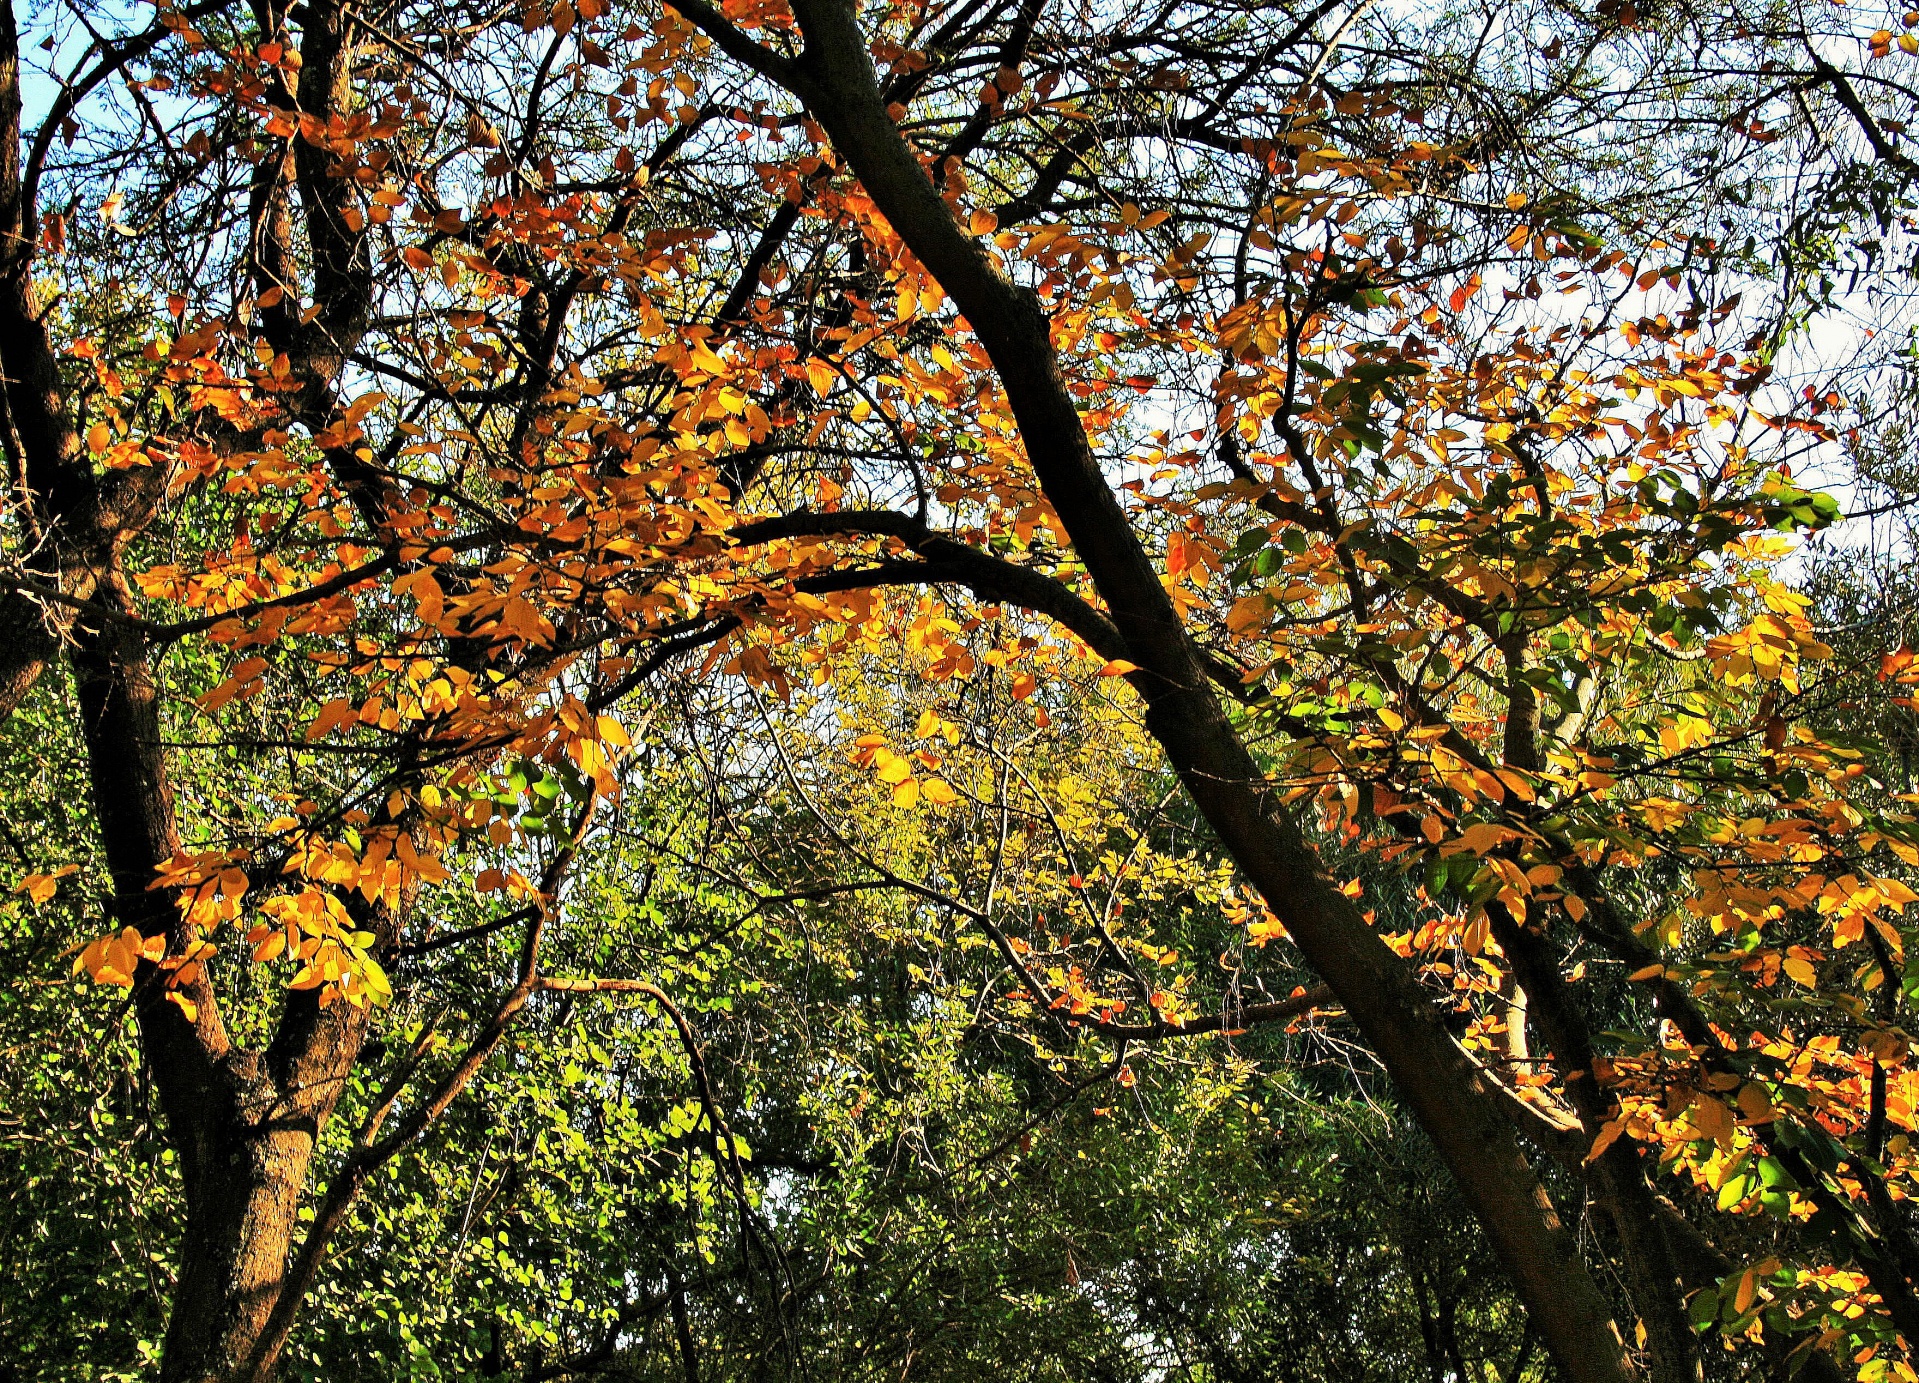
(871, 314)
(921, 1150)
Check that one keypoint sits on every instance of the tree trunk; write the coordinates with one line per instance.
(244, 1123)
(245, 1178)
(1618, 1176)
(1452, 1101)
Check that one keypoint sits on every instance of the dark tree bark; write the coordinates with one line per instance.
(244, 1123)
(1453, 1100)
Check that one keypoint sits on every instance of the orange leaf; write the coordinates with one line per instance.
(1712, 1119)
(1742, 1295)
(1607, 1137)
(1462, 293)
(429, 869)
(1247, 613)
(41, 887)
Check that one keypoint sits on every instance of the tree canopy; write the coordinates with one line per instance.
(810, 689)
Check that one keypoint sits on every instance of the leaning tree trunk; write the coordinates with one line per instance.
(834, 76)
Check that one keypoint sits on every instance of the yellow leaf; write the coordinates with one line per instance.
(907, 793)
(1516, 783)
(1801, 971)
(1247, 613)
(431, 599)
(1607, 1137)
(1755, 1103)
(939, 792)
(821, 376)
(89, 960)
(1119, 667)
(1650, 972)
(38, 887)
(1712, 1119)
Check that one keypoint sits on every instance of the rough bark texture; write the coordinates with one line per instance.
(835, 78)
(243, 1122)
(245, 1177)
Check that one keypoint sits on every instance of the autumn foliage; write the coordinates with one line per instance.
(432, 391)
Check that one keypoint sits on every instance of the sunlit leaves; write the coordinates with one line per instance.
(331, 954)
(40, 888)
(1484, 554)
